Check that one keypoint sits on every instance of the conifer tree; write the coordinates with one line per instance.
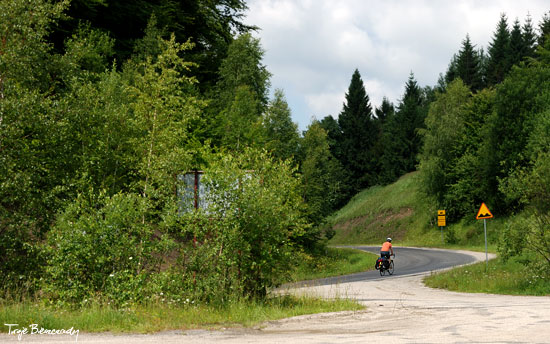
(517, 46)
(468, 65)
(529, 38)
(544, 28)
(385, 110)
(499, 51)
(334, 134)
(452, 70)
(401, 141)
(358, 134)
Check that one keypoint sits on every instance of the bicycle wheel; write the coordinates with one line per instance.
(390, 269)
(382, 271)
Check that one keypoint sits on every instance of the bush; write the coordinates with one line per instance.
(254, 220)
(121, 250)
(101, 249)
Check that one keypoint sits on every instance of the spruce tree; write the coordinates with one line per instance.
(468, 65)
(358, 135)
(334, 134)
(452, 70)
(517, 46)
(401, 141)
(529, 38)
(544, 28)
(384, 111)
(499, 51)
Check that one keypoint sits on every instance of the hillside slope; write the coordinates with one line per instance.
(400, 211)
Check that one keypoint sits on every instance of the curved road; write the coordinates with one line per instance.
(404, 311)
(408, 261)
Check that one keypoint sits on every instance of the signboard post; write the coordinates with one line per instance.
(484, 213)
(441, 222)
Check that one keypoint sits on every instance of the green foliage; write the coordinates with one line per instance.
(282, 137)
(358, 136)
(468, 66)
(209, 24)
(243, 241)
(243, 67)
(88, 50)
(240, 96)
(445, 129)
(28, 163)
(518, 276)
(323, 177)
(155, 317)
(239, 122)
(101, 250)
(499, 53)
(332, 262)
(163, 110)
(397, 210)
(401, 141)
(530, 232)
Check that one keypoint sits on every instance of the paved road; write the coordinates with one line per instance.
(408, 261)
(403, 311)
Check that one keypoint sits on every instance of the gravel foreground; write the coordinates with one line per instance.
(399, 310)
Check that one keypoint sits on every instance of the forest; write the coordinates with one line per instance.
(105, 104)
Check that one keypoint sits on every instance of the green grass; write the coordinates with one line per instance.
(153, 318)
(400, 211)
(517, 276)
(397, 210)
(159, 317)
(333, 262)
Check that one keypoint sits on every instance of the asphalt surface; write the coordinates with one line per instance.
(407, 261)
(402, 311)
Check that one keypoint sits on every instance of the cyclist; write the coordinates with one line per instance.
(385, 251)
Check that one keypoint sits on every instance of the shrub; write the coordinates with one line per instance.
(101, 249)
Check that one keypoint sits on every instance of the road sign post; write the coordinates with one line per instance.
(484, 213)
(441, 222)
(486, 254)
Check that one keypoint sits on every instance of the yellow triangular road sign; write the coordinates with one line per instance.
(483, 212)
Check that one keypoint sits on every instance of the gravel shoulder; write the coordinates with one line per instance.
(400, 309)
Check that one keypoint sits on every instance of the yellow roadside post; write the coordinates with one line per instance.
(441, 222)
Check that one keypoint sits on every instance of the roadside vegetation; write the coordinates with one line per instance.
(140, 174)
(401, 211)
(332, 262)
(516, 276)
(148, 318)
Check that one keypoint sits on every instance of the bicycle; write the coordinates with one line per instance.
(382, 268)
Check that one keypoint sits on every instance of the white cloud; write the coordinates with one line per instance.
(313, 46)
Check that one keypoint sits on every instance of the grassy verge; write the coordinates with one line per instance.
(333, 262)
(401, 211)
(517, 276)
(381, 211)
(144, 319)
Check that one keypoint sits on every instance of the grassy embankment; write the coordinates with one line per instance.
(401, 212)
(154, 318)
(333, 262)
(159, 317)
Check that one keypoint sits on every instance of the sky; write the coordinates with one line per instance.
(312, 47)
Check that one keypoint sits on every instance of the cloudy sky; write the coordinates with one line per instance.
(312, 47)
